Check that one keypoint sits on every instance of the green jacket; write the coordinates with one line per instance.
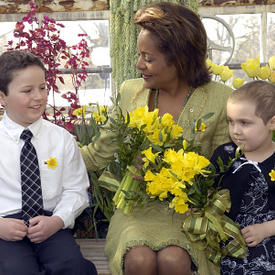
(211, 97)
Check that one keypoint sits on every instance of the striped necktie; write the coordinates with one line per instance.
(32, 203)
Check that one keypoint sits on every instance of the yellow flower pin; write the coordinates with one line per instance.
(52, 163)
(201, 128)
(272, 175)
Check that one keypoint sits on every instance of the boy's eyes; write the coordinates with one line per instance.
(229, 121)
(242, 122)
(43, 88)
(245, 122)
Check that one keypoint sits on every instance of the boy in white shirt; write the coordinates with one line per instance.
(40, 242)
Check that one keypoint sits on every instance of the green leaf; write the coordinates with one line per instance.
(207, 116)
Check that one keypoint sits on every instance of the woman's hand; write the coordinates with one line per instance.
(12, 229)
(43, 227)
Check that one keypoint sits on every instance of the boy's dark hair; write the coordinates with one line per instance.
(11, 61)
(262, 94)
(181, 38)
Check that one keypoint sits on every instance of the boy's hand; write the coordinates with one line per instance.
(254, 234)
(42, 227)
(12, 229)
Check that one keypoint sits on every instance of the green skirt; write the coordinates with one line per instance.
(155, 226)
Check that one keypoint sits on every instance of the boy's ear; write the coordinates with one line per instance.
(2, 99)
(272, 123)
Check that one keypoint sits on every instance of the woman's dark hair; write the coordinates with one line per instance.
(11, 61)
(182, 38)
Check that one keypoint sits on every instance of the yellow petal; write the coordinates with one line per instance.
(272, 175)
(52, 163)
(264, 72)
(271, 63)
(237, 82)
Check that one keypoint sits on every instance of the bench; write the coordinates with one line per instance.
(93, 250)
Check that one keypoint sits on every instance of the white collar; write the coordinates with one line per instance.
(254, 163)
(14, 129)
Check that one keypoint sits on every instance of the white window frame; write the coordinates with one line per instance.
(253, 9)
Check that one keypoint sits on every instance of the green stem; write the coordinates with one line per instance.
(128, 184)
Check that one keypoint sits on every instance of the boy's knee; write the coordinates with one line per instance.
(75, 264)
(18, 266)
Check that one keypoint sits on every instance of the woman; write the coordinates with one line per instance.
(172, 52)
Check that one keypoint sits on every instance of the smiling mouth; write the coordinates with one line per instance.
(36, 107)
(145, 76)
(239, 140)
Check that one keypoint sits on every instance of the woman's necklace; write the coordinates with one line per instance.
(156, 99)
(190, 91)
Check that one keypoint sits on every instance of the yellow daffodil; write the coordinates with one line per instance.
(171, 155)
(272, 77)
(149, 156)
(272, 175)
(159, 184)
(159, 137)
(237, 82)
(103, 109)
(202, 127)
(271, 62)
(179, 204)
(167, 120)
(216, 69)
(51, 163)
(80, 111)
(177, 188)
(264, 72)
(149, 176)
(141, 116)
(184, 144)
(226, 73)
(197, 162)
(176, 131)
(186, 165)
(251, 67)
(99, 117)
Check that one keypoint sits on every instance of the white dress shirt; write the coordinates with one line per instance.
(64, 188)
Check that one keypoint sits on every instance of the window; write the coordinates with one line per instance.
(95, 24)
(254, 33)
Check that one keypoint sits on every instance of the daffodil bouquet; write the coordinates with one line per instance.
(157, 163)
(140, 134)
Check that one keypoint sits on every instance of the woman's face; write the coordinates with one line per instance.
(155, 70)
